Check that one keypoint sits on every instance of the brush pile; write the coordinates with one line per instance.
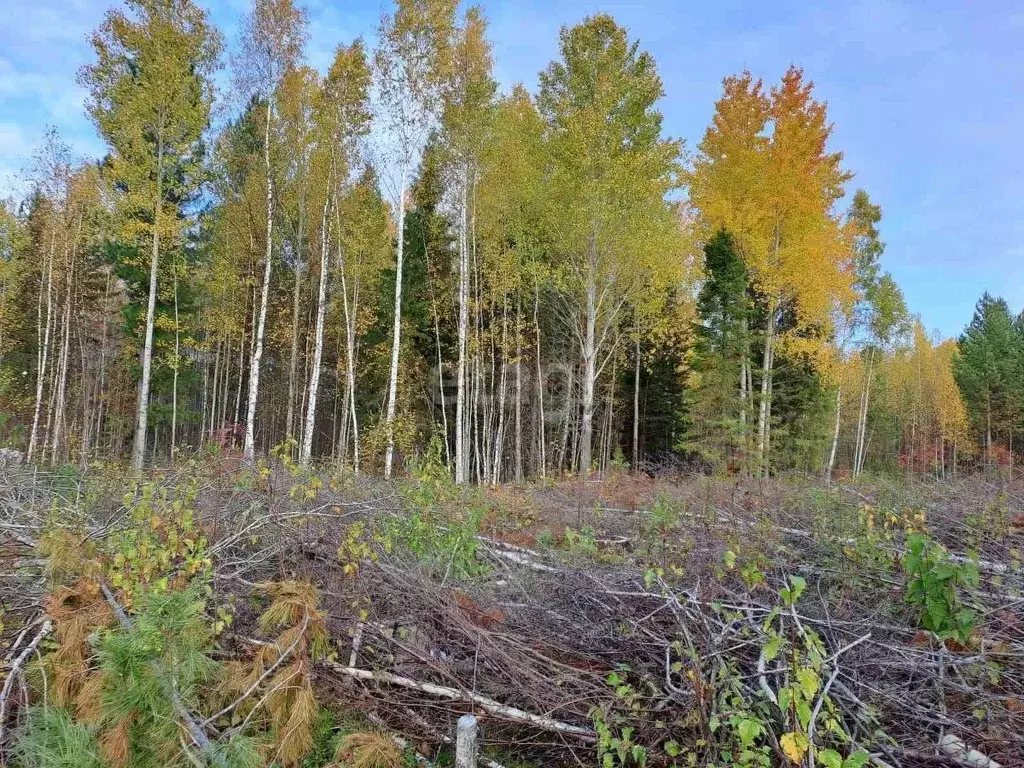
(698, 622)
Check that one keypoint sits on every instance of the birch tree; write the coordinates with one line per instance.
(467, 110)
(296, 99)
(411, 67)
(508, 222)
(272, 42)
(343, 116)
(363, 250)
(867, 248)
(610, 170)
(149, 96)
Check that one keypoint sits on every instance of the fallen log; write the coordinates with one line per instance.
(489, 705)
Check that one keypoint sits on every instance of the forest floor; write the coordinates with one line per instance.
(626, 621)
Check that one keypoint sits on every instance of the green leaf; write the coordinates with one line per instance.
(809, 682)
(938, 612)
(803, 713)
(799, 584)
(945, 571)
(748, 730)
(785, 698)
(857, 759)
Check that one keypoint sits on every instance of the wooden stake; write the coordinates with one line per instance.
(467, 732)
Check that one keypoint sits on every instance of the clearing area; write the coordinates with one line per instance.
(631, 621)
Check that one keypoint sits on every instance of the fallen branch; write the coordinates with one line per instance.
(956, 748)
(489, 705)
(12, 673)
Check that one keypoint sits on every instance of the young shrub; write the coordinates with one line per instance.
(52, 739)
(279, 678)
(934, 586)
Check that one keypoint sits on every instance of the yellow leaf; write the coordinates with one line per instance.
(794, 745)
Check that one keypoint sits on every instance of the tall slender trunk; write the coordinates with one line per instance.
(589, 351)
(396, 338)
(567, 417)
(519, 391)
(542, 437)
(440, 360)
(241, 380)
(51, 388)
(318, 343)
(743, 393)
(342, 445)
(306, 355)
(44, 348)
(142, 414)
(336, 428)
(222, 416)
(296, 292)
(474, 417)
(606, 453)
(746, 391)
(767, 361)
(90, 397)
(101, 394)
(988, 431)
(350, 354)
(249, 450)
(862, 417)
(209, 422)
(765, 411)
(461, 457)
(177, 362)
(636, 405)
(499, 436)
(835, 437)
(63, 356)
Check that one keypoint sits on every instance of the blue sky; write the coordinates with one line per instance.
(927, 100)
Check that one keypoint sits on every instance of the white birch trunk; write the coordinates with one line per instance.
(589, 350)
(318, 343)
(142, 413)
(350, 365)
(835, 437)
(499, 436)
(396, 339)
(519, 393)
(296, 292)
(636, 407)
(461, 457)
(44, 351)
(249, 450)
(542, 437)
(62, 362)
(765, 412)
(177, 362)
(862, 417)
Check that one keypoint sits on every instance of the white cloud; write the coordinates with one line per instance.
(13, 142)
(15, 150)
